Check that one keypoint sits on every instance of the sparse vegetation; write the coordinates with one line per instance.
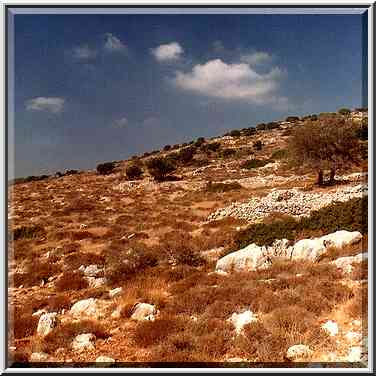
(133, 171)
(159, 167)
(106, 168)
(255, 163)
(222, 187)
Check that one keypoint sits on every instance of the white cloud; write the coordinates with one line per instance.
(256, 58)
(121, 123)
(84, 52)
(231, 81)
(113, 43)
(167, 52)
(49, 104)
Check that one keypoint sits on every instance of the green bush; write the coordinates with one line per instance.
(106, 168)
(200, 141)
(257, 145)
(261, 127)
(167, 147)
(255, 163)
(133, 171)
(272, 125)
(280, 154)
(213, 146)
(28, 232)
(344, 111)
(228, 152)
(249, 131)
(222, 187)
(160, 167)
(235, 133)
(186, 155)
(292, 119)
(350, 216)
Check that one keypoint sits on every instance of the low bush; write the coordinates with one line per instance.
(272, 125)
(159, 167)
(71, 280)
(167, 147)
(255, 163)
(292, 119)
(213, 146)
(235, 133)
(344, 111)
(350, 215)
(257, 145)
(186, 155)
(261, 127)
(28, 232)
(106, 168)
(249, 131)
(228, 152)
(280, 154)
(222, 187)
(200, 141)
(133, 171)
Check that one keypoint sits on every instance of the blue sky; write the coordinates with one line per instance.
(95, 88)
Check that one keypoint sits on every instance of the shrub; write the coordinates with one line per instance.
(222, 187)
(71, 172)
(249, 131)
(255, 163)
(167, 147)
(292, 119)
(28, 232)
(261, 127)
(213, 146)
(257, 145)
(159, 167)
(225, 153)
(235, 133)
(200, 141)
(105, 168)
(350, 215)
(186, 155)
(280, 154)
(344, 111)
(133, 171)
(71, 280)
(272, 125)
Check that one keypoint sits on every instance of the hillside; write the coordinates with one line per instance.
(147, 271)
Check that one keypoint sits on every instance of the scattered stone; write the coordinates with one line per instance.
(39, 357)
(96, 282)
(353, 337)
(144, 311)
(90, 270)
(40, 312)
(46, 324)
(355, 354)
(298, 352)
(115, 292)
(239, 320)
(104, 359)
(116, 314)
(330, 327)
(83, 342)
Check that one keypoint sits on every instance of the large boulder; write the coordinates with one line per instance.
(341, 238)
(91, 307)
(249, 258)
(91, 270)
(144, 311)
(345, 263)
(46, 324)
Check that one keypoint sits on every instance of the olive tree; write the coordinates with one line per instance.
(328, 144)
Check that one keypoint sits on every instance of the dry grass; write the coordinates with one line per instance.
(71, 280)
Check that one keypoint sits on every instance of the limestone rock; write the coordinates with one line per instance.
(115, 292)
(39, 357)
(144, 311)
(249, 258)
(239, 320)
(298, 352)
(104, 359)
(83, 342)
(345, 263)
(46, 324)
(331, 327)
(91, 307)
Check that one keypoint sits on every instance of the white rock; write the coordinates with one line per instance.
(298, 352)
(330, 327)
(39, 357)
(46, 324)
(83, 342)
(116, 314)
(342, 238)
(308, 249)
(96, 282)
(104, 359)
(40, 312)
(115, 292)
(353, 337)
(144, 311)
(89, 307)
(355, 354)
(239, 320)
(345, 263)
(249, 258)
(90, 270)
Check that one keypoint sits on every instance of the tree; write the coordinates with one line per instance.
(133, 171)
(160, 167)
(344, 111)
(105, 168)
(328, 144)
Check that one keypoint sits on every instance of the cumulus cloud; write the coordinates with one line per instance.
(256, 58)
(113, 43)
(231, 81)
(48, 104)
(121, 123)
(84, 52)
(167, 52)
